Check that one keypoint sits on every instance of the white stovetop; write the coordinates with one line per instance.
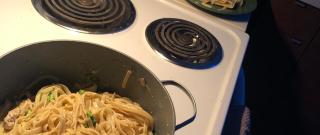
(212, 88)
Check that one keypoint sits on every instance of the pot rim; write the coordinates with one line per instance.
(104, 47)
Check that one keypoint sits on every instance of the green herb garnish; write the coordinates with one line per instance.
(86, 125)
(27, 112)
(89, 114)
(81, 91)
(50, 97)
(92, 118)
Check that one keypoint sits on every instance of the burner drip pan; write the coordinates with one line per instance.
(89, 16)
(184, 43)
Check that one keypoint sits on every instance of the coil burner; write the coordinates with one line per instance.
(184, 43)
(88, 16)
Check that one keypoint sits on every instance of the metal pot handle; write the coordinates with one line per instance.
(188, 93)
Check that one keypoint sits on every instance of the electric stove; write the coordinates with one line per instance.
(174, 42)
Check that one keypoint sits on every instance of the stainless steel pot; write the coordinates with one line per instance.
(79, 64)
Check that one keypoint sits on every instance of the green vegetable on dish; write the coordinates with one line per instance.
(27, 112)
(81, 92)
(50, 97)
(86, 125)
(92, 118)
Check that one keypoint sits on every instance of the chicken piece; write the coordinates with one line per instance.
(10, 119)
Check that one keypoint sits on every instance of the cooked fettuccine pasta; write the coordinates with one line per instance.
(57, 111)
(223, 3)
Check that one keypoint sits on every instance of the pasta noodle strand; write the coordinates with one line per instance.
(57, 111)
